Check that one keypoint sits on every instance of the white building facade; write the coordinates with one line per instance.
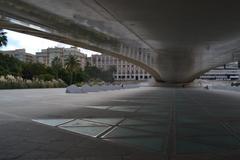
(46, 56)
(230, 71)
(21, 55)
(124, 71)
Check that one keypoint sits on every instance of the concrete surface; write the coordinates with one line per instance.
(132, 124)
(186, 38)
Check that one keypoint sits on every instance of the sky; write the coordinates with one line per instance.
(34, 44)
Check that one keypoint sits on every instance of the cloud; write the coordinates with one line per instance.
(30, 43)
(34, 44)
(88, 52)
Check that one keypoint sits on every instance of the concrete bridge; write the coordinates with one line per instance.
(174, 41)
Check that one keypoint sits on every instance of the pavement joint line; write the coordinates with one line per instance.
(223, 124)
(174, 128)
(135, 137)
(231, 130)
(89, 120)
(66, 122)
(76, 133)
(138, 109)
(106, 130)
(113, 127)
(171, 141)
(106, 133)
(142, 130)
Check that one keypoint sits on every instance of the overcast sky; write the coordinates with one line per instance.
(34, 44)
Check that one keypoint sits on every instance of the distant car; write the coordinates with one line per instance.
(235, 83)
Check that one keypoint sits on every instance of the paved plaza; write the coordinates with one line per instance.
(132, 124)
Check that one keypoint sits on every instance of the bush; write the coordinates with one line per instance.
(80, 84)
(11, 82)
(46, 77)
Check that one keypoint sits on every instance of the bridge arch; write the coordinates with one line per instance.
(118, 50)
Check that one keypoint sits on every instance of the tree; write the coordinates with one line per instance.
(107, 75)
(92, 72)
(72, 64)
(3, 38)
(33, 70)
(10, 65)
(56, 66)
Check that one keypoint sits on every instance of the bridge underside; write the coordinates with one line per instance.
(186, 38)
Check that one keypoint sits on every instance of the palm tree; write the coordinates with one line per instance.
(72, 64)
(56, 66)
(3, 38)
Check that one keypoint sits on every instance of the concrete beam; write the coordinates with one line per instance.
(55, 36)
(186, 38)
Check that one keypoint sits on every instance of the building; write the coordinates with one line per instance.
(21, 55)
(124, 71)
(46, 56)
(230, 71)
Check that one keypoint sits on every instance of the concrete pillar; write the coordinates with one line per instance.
(105, 62)
(96, 61)
(130, 71)
(147, 58)
(117, 70)
(142, 54)
(126, 70)
(136, 53)
(131, 52)
(122, 70)
(121, 48)
(125, 50)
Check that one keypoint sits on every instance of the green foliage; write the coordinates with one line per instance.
(11, 82)
(32, 70)
(46, 77)
(36, 75)
(64, 75)
(57, 63)
(56, 66)
(108, 74)
(3, 71)
(3, 38)
(93, 72)
(10, 65)
(72, 65)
